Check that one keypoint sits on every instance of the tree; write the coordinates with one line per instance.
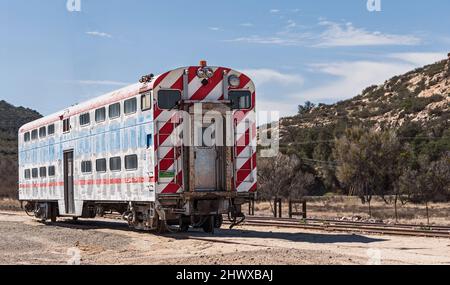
(282, 176)
(427, 180)
(303, 109)
(366, 162)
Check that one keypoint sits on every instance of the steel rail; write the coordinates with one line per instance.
(346, 222)
(350, 228)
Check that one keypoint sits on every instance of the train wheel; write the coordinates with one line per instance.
(162, 228)
(53, 213)
(208, 225)
(184, 228)
(218, 221)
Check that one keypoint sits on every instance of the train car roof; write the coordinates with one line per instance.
(94, 103)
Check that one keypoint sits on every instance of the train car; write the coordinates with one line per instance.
(176, 150)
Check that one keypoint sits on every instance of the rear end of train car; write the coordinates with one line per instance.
(191, 145)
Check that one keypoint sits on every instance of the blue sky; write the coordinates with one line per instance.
(322, 51)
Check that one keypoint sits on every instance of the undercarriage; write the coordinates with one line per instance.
(169, 213)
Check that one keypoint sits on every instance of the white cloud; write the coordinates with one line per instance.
(280, 39)
(347, 34)
(214, 28)
(274, 11)
(100, 82)
(419, 58)
(247, 25)
(330, 34)
(266, 75)
(99, 34)
(290, 24)
(352, 78)
(271, 87)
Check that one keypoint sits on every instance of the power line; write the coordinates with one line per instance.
(331, 141)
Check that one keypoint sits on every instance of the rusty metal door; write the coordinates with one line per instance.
(205, 156)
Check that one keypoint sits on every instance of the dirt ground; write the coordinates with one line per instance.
(101, 241)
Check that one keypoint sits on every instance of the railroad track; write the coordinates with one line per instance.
(341, 226)
(350, 226)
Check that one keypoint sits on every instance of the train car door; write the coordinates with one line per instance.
(69, 200)
(205, 156)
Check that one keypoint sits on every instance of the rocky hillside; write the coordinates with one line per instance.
(421, 96)
(415, 107)
(11, 119)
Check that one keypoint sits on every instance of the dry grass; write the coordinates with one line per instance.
(343, 206)
(9, 205)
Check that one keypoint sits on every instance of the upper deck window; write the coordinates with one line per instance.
(130, 106)
(34, 134)
(115, 163)
(146, 101)
(100, 115)
(42, 132)
(51, 171)
(43, 171)
(51, 129)
(86, 166)
(66, 125)
(26, 137)
(85, 119)
(131, 162)
(114, 111)
(34, 172)
(240, 100)
(27, 174)
(168, 99)
(100, 165)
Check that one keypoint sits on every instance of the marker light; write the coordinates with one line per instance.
(209, 72)
(201, 73)
(234, 81)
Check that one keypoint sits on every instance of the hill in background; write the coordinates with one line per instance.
(421, 96)
(415, 106)
(11, 119)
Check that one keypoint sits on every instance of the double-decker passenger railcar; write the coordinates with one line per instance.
(174, 149)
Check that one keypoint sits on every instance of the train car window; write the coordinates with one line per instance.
(130, 106)
(85, 119)
(100, 115)
(34, 172)
(34, 134)
(66, 125)
(26, 137)
(42, 172)
(27, 174)
(240, 100)
(86, 166)
(51, 129)
(100, 165)
(42, 132)
(51, 171)
(146, 101)
(115, 163)
(114, 111)
(168, 99)
(131, 162)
